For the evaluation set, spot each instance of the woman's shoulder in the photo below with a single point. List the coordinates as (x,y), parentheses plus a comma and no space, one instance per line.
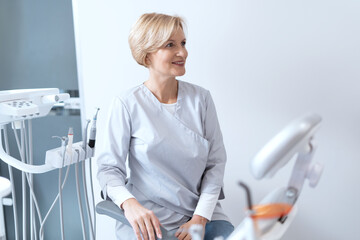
(129,94)
(192,88)
(127,98)
(193,91)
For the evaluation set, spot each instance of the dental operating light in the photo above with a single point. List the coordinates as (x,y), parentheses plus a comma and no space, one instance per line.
(272,216)
(294,138)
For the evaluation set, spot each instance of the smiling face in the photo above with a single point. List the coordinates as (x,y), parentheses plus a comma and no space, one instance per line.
(169,60)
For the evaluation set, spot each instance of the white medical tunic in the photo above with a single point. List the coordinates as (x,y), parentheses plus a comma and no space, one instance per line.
(173,157)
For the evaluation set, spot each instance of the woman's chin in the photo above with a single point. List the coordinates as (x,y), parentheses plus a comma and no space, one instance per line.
(182,73)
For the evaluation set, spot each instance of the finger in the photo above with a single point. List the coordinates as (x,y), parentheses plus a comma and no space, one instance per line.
(143,229)
(178,232)
(149,229)
(136,230)
(188,237)
(182,234)
(156,223)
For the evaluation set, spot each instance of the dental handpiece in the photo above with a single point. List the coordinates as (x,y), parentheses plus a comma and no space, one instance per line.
(63,145)
(84,142)
(93,130)
(70,140)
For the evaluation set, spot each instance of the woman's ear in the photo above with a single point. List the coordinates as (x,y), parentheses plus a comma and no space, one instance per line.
(147,60)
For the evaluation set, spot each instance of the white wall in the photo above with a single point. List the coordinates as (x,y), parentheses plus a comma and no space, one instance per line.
(265,63)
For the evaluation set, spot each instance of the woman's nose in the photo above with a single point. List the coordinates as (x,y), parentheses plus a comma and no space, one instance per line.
(182,52)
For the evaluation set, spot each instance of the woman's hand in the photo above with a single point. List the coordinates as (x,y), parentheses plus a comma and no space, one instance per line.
(183,232)
(142,220)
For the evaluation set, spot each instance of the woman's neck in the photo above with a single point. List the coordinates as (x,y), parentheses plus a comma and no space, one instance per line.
(165,91)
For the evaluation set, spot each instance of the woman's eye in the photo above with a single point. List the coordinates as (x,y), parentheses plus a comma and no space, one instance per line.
(169,45)
(183,43)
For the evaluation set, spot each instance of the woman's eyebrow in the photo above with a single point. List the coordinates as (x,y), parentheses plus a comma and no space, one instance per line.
(171,40)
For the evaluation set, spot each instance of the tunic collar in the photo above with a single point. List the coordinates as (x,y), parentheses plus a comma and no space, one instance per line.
(158,103)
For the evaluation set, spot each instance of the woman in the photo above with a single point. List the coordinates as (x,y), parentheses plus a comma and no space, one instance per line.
(169,131)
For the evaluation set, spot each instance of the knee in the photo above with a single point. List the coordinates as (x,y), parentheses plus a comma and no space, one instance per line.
(218,228)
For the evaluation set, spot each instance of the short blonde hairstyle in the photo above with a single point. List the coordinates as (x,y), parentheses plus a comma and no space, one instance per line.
(150,32)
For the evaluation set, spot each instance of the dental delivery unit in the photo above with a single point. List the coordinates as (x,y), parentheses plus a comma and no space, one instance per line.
(18,108)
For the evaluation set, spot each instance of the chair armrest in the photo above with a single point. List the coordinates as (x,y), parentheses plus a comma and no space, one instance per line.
(110,209)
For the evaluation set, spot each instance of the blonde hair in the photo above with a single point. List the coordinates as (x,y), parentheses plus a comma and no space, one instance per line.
(150,32)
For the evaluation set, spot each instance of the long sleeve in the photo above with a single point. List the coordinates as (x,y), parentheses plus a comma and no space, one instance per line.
(118,194)
(115,148)
(206,205)
(212,181)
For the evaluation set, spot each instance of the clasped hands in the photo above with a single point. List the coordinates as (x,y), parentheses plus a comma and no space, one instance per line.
(146,224)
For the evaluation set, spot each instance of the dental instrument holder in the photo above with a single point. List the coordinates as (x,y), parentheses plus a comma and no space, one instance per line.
(294,141)
(54,157)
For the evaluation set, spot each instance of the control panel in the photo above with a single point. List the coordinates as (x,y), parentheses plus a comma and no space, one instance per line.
(20,108)
(21,104)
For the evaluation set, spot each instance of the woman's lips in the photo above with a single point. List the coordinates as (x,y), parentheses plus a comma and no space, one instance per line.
(179,63)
